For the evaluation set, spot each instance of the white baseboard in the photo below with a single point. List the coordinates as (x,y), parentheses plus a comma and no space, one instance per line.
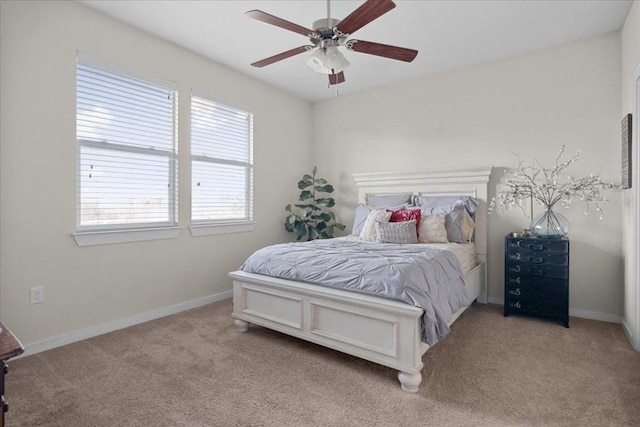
(494,300)
(575,312)
(635,344)
(121,323)
(594,315)
(177,308)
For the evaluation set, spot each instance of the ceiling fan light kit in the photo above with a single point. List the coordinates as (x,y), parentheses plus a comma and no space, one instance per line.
(327,60)
(329,34)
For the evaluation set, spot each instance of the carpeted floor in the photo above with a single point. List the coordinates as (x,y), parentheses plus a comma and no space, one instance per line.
(194,369)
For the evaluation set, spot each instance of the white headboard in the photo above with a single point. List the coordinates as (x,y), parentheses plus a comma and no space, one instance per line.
(450,182)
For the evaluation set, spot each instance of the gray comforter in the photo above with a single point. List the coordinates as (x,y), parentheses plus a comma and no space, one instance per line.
(425,277)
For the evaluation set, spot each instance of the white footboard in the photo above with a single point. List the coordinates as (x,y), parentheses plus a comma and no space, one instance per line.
(380,330)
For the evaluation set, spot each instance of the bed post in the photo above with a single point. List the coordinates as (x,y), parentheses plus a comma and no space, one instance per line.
(241,325)
(410,382)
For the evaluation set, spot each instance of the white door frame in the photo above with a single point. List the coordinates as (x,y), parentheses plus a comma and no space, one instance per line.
(635,140)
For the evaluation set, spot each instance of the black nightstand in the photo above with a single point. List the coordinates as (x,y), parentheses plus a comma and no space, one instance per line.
(536,277)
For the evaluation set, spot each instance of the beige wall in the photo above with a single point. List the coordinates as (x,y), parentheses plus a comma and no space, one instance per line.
(90,286)
(631,62)
(479,116)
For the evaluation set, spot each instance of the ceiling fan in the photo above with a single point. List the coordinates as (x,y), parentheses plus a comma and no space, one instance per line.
(328,34)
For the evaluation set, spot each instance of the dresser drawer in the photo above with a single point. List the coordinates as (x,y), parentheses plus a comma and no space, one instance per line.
(513,281)
(541,258)
(537,270)
(536,245)
(551,296)
(536,306)
(516,280)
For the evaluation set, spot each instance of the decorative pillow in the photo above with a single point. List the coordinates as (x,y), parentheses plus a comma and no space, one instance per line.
(454,220)
(368,232)
(407,215)
(432,229)
(362,212)
(396,232)
(470,203)
(468,226)
(388,199)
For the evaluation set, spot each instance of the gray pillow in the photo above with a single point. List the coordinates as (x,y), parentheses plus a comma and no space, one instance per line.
(396,232)
(388,199)
(362,212)
(453,220)
(470,203)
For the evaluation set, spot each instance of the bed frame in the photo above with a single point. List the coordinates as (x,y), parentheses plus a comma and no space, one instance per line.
(376,329)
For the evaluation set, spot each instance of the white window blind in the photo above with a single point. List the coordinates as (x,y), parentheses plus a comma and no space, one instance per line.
(126,136)
(221,162)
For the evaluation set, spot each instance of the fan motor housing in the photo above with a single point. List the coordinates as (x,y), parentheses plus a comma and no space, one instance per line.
(325,34)
(327,24)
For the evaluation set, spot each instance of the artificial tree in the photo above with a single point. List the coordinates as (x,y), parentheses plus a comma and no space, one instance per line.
(312,218)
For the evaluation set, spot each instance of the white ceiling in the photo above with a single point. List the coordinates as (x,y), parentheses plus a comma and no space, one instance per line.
(448,34)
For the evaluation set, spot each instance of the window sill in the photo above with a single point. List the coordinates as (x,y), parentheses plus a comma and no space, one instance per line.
(93,238)
(222,228)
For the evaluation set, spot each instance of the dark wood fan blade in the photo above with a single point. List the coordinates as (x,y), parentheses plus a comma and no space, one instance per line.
(279,22)
(280,56)
(367,12)
(335,79)
(379,49)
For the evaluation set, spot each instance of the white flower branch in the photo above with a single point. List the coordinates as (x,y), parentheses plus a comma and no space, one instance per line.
(545,187)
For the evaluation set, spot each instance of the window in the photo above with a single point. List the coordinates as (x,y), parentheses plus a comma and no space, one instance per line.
(126,137)
(221,163)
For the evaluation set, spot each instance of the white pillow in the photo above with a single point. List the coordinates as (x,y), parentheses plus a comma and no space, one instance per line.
(362,212)
(396,232)
(432,229)
(368,232)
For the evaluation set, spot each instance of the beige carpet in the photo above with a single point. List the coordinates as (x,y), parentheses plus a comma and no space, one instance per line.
(194,369)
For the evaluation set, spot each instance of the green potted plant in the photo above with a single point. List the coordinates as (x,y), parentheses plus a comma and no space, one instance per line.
(312,218)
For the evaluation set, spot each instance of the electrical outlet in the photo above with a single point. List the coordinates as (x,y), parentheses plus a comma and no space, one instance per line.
(37,295)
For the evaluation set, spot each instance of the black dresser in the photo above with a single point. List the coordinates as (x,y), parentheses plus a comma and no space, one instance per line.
(536,277)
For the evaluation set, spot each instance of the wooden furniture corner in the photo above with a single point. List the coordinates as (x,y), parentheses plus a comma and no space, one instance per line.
(10,347)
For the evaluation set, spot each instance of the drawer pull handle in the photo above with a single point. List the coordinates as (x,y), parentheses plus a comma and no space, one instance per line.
(516,292)
(538,260)
(536,247)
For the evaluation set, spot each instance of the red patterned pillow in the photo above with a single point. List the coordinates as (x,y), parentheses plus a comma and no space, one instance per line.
(406,215)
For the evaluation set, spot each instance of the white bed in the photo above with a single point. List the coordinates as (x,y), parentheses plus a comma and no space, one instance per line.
(380,330)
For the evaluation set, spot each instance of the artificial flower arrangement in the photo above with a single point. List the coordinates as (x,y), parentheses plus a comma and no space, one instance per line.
(545,187)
